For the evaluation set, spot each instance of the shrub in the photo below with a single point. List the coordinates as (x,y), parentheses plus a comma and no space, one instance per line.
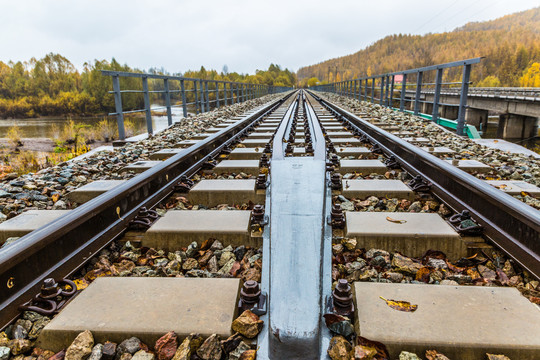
(14,136)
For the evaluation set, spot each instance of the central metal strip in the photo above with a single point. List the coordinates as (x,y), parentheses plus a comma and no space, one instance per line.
(295,256)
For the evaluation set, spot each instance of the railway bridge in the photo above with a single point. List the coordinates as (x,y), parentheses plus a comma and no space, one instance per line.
(276,223)
(425,91)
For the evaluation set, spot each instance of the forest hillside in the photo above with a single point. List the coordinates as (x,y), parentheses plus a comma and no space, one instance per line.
(510,45)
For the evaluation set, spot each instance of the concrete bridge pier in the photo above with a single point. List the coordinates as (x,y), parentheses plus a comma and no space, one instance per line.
(449,112)
(427,108)
(513,126)
(476,117)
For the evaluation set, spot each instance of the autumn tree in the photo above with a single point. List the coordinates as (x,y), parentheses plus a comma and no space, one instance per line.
(531,77)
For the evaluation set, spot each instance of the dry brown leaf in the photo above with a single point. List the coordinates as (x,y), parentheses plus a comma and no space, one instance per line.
(424,273)
(388,218)
(435,355)
(400,305)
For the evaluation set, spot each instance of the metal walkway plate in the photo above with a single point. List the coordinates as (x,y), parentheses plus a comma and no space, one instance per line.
(296,240)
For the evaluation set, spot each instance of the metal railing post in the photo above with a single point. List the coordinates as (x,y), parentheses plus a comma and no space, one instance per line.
(206,85)
(460,129)
(403,93)
(168,101)
(118,107)
(392,93)
(147,105)
(436,96)
(202,101)
(372,90)
(196,97)
(419,77)
(217,94)
(387,90)
(381,100)
(183,90)
(225,93)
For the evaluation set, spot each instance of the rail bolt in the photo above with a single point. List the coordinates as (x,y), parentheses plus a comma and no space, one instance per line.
(342,298)
(364,139)
(335,180)
(376,149)
(392,162)
(249,296)
(49,289)
(264,161)
(335,160)
(261,182)
(337,218)
(289,148)
(465,224)
(209,164)
(257,214)
(418,184)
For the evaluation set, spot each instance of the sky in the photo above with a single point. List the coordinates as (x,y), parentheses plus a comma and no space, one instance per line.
(246,35)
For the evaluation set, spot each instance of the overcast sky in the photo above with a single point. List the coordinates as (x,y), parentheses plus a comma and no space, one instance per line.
(244,34)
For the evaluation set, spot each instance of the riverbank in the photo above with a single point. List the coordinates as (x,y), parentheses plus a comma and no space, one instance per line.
(41,145)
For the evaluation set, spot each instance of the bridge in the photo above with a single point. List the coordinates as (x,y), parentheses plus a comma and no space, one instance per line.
(281,224)
(442,100)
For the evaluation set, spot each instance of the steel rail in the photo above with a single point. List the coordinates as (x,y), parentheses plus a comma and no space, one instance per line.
(60,248)
(510,224)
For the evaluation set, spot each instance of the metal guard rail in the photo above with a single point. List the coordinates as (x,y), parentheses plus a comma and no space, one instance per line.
(238,91)
(353,88)
(60,248)
(511,224)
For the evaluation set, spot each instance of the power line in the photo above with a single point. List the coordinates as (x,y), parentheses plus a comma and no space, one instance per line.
(433,17)
(460,12)
(489,5)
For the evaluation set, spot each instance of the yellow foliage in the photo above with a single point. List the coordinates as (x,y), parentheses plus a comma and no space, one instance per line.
(14,136)
(531,77)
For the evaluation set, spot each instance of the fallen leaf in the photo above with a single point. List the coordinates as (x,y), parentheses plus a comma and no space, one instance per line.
(423,274)
(339,324)
(435,355)
(388,218)
(81,284)
(400,305)
(502,186)
(55,197)
(382,352)
(433,254)
(497,357)
(524,193)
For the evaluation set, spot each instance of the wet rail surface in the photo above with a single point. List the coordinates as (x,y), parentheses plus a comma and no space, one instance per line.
(302,171)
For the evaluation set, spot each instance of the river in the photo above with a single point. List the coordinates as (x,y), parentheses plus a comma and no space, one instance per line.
(46,126)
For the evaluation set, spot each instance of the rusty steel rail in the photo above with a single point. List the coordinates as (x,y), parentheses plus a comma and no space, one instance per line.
(510,224)
(60,248)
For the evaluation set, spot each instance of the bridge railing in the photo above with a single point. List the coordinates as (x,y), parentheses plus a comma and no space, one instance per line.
(197,95)
(506,93)
(409,86)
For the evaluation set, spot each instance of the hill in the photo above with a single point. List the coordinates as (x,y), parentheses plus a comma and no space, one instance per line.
(510,45)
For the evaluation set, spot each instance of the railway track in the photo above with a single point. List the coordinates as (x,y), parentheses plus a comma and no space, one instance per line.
(309,208)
